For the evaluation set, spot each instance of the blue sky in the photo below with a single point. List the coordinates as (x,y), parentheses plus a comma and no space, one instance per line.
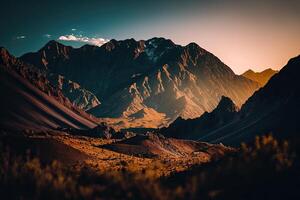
(243,34)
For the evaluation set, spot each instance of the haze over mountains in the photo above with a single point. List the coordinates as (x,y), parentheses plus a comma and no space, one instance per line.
(272,109)
(135,80)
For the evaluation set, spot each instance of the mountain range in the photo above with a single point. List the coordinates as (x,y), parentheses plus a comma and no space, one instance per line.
(272,109)
(261,77)
(146,83)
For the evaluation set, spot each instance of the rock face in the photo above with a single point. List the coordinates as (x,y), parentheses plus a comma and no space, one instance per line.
(197,128)
(275,109)
(29,101)
(79,96)
(261,77)
(131,77)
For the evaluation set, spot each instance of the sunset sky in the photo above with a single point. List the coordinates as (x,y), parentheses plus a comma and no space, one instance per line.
(243,34)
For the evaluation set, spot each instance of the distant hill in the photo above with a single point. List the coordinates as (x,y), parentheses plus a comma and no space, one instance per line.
(261,77)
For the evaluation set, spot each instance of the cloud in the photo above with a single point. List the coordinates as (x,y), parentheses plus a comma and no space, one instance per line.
(88,40)
(20,37)
(47,35)
(73,29)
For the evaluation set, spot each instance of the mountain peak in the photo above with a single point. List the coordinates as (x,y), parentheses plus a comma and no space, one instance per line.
(269,70)
(53,44)
(160,41)
(249,71)
(193,45)
(260,77)
(226,104)
(4,55)
(3,51)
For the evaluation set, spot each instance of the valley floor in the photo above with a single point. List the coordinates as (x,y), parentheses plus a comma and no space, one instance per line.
(80,151)
(92,168)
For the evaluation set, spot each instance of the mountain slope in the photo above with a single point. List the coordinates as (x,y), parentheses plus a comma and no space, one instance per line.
(261,77)
(80,97)
(28,101)
(77,94)
(275,108)
(130,77)
(152,145)
(225,112)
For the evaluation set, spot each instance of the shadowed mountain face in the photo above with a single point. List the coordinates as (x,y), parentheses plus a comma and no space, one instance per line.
(132,78)
(261,77)
(225,112)
(78,95)
(273,109)
(29,101)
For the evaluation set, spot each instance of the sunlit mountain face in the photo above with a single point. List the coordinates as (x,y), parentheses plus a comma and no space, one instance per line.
(149,99)
(260,77)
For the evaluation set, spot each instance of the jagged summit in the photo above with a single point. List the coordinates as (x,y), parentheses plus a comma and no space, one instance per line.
(5,57)
(248,71)
(160,41)
(268,70)
(4,51)
(261,77)
(193,45)
(53,44)
(226,104)
(55,47)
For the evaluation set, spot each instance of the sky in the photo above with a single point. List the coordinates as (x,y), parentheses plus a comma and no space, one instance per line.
(243,34)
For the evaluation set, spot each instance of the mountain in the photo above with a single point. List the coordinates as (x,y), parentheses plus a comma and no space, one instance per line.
(135,80)
(225,112)
(272,109)
(78,95)
(29,101)
(261,77)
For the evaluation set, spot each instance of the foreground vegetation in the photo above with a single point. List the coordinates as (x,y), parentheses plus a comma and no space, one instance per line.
(267,169)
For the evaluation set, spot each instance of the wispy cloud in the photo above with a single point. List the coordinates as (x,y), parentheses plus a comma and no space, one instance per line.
(20,37)
(73,29)
(88,40)
(47,35)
